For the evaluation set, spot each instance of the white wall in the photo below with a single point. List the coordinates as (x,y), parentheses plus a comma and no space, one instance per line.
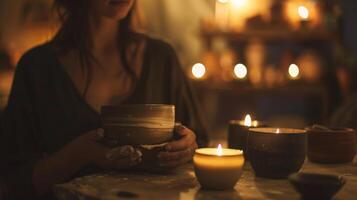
(178,21)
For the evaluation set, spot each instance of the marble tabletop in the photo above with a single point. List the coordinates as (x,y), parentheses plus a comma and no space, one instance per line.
(181,184)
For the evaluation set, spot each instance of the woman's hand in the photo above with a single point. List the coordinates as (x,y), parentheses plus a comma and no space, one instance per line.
(180,151)
(80,152)
(88,147)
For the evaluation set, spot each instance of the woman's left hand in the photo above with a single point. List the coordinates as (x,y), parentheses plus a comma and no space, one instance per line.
(180,151)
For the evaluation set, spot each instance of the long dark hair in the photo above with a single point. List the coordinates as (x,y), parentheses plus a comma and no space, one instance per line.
(75,34)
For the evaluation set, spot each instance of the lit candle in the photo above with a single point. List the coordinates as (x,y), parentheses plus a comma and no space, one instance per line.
(304,15)
(276,152)
(248,121)
(238,130)
(240,71)
(277,130)
(222,13)
(198,71)
(294,71)
(218,168)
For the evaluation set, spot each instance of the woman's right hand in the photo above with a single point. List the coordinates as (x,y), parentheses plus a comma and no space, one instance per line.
(82,151)
(88,149)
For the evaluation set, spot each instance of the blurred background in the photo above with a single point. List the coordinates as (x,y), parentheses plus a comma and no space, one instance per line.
(290,63)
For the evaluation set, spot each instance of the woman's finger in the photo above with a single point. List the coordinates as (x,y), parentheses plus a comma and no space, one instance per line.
(188,138)
(122,162)
(126,163)
(120,152)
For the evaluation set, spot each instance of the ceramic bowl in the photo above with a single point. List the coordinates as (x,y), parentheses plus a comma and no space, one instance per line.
(145,124)
(276,155)
(332,146)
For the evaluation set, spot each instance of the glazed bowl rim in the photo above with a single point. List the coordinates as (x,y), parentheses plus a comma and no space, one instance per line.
(333,130)
(261,131)
(137,105)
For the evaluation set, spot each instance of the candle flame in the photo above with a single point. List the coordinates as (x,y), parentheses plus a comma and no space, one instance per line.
(294,71)
(219,150)
(278,130)
(198,70)
(303,12)
(248,121)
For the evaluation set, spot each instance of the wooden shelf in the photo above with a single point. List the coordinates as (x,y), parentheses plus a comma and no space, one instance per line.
(272,35)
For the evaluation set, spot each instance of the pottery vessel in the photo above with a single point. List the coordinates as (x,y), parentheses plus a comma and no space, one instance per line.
(237,135)
(276,155)
(336,145)
(144,124)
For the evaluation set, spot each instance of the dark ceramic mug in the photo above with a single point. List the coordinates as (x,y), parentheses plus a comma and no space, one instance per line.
(276,155)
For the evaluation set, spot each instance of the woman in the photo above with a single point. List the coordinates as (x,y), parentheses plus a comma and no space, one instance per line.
(52,121)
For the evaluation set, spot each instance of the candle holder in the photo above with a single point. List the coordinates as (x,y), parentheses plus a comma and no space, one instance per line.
(238,132)
(218,171)
(276,153)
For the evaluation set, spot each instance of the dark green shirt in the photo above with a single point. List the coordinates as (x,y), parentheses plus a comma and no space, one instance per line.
(45,110)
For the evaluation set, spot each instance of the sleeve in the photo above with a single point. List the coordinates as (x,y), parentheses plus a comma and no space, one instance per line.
(183,96)
(18,148)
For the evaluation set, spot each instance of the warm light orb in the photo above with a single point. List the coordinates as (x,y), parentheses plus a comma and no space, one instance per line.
(277,130)
(248,121)
(219,150)
(240,71)
(223,1)
(238,3)
(294,71)
(198,70)
(303,12)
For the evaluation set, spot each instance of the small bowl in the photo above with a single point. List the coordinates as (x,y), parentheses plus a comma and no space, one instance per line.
(316,186)
(332,146)
(276,153)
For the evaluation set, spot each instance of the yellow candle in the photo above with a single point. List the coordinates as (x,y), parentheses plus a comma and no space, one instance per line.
(218,168)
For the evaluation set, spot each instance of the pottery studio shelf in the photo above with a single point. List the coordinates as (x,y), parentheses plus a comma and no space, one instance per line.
(271,35)
(222,103)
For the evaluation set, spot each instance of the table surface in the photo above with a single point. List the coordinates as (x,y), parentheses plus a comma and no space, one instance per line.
(181,184)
